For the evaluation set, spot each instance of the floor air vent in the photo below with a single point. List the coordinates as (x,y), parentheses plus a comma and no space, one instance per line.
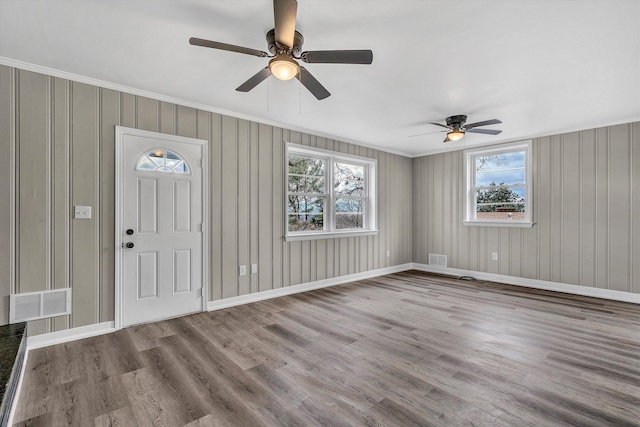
(436,259)
(39,305)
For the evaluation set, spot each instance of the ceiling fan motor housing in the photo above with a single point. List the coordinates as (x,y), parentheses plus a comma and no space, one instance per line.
(456,121)
(298,41)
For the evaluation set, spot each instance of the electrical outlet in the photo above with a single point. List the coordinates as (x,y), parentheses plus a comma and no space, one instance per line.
(243,270)
(254,268)
(494,256)
(388,253)
(82,212)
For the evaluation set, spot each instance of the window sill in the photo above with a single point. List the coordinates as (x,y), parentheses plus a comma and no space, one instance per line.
(512,224)
(329,235)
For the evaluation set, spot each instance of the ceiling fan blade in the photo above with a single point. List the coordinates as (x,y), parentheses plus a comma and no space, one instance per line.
(485,123)
(447,139)
(485,131)
(255,80)
(441,125)
(284,15)
(312,84)
(427,133)
(338,56)
(224,46)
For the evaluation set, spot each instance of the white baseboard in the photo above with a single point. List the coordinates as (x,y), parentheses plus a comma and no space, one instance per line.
(534,283)
(303,287)
(73,334)
(67,335)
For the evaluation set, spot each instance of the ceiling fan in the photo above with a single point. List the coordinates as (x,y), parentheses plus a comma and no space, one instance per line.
(457,127)
(285,47)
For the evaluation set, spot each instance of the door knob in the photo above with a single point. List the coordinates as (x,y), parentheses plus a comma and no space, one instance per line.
(129,245)
(129,231)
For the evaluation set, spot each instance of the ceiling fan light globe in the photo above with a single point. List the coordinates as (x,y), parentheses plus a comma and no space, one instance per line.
(283,67)
(455,135)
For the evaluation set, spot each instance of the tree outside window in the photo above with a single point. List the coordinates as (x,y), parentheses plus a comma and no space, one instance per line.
(329,193)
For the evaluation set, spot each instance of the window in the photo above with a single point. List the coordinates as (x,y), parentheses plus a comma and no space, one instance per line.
(161,160)
(329,194)
(498,185)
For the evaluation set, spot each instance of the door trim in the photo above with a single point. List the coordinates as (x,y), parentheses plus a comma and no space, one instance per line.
(120,134)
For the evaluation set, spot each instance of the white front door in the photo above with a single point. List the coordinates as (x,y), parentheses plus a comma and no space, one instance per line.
(161,226)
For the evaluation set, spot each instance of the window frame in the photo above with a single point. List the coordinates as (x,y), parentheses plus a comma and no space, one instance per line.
(470,197)
(330,158)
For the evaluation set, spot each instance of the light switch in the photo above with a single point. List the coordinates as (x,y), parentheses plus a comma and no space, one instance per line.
(254,268)
(82,212)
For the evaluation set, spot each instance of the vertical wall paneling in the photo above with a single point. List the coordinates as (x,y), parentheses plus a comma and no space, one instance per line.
(416,205)
(203,131)
(505,253)
(587,208)
(167,118)
(529,258)
(635,208)
(147,114)
(280,271)
(254,234)
(511,263)
(464,232)
(244,257)
(453,199)
(186,121)
(109,115)
(215,217)
(127,110)
(619,207)
(571,208)
(545,206)
(380,242)
(229,208)
(85,188)
(556,207)
(602,207)
(34,187)
(61,207)
(7,188)
(586,203)
(266,240)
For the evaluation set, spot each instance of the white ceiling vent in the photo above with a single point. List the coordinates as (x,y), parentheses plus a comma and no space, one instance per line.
(39,305)
(439,260)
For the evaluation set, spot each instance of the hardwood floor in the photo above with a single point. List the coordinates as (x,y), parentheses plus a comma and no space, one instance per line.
(407,349)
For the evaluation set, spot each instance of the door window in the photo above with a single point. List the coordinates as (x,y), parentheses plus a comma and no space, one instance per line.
(161,160)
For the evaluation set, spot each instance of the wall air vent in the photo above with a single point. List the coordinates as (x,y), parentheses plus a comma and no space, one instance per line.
(39,305)
(437,259)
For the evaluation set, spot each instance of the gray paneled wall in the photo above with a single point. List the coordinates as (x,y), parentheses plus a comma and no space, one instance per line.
(57,140)
(586,209)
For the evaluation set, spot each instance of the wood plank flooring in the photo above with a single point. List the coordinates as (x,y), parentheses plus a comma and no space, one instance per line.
(407,349)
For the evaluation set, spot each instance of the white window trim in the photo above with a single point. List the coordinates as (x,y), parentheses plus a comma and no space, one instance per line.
(331,157)
(469,171)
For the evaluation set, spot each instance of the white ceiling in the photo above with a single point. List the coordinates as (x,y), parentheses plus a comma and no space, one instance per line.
(542,67)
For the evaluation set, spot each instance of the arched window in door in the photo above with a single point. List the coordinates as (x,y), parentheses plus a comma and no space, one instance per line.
(161,160)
